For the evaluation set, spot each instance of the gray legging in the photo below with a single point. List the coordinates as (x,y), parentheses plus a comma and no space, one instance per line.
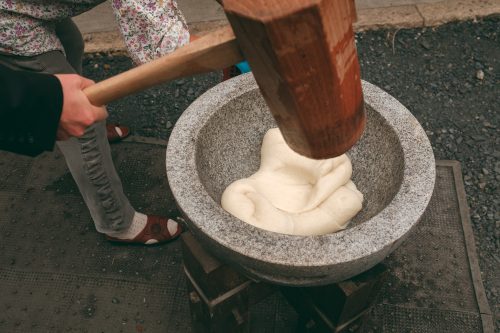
(88,157)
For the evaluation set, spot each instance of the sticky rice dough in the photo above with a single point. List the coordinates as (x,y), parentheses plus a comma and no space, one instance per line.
(293,194)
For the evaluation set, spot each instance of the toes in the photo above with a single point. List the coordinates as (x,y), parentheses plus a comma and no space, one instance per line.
(173,227)
(118,130)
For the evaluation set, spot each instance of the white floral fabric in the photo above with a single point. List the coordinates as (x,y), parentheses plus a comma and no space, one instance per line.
(151,28)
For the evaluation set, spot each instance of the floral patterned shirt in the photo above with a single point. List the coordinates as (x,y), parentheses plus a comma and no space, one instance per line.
(151,28)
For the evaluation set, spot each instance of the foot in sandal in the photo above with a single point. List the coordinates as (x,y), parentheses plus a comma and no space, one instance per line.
(149,230)
(116,132)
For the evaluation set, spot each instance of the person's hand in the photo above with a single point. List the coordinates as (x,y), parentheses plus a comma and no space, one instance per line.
(77,113)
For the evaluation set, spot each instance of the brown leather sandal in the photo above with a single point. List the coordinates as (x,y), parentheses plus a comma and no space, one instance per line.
(155,232)
(116,132)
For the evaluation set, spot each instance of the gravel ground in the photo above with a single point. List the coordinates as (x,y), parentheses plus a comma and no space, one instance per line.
(447,76)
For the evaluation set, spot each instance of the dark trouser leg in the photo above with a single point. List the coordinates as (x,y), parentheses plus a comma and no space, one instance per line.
(88,157)
(72,41)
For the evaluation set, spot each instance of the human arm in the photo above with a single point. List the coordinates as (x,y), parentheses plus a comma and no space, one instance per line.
(36,108)
(77,112)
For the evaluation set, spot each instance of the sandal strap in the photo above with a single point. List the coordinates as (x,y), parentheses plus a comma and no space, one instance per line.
(113,134)
(156,229)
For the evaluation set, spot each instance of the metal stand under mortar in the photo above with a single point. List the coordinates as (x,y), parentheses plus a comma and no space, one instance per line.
(220,296)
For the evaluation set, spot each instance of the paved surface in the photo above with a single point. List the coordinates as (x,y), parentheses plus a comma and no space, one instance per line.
(58,275)
(101,34)
(448,77)
(101,18)
(362,4)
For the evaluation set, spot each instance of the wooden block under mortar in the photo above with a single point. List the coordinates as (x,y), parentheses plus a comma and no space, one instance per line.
(303,56)
(334,307)
(210,274)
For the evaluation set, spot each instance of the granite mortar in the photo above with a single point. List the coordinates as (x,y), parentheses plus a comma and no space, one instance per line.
(217,141)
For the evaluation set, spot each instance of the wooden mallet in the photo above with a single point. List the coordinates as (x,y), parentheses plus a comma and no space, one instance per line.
(303,56)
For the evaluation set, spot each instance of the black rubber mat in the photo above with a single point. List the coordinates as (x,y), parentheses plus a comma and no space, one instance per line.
(58,275)
(434,283)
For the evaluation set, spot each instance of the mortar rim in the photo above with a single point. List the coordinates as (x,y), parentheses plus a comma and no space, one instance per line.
(181,158)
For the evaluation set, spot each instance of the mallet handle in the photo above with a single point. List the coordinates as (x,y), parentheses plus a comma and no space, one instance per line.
(213,51)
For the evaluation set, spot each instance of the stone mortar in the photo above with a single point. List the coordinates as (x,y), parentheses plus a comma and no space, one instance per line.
(217,141)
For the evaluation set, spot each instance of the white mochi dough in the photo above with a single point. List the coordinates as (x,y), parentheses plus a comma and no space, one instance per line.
(293,194)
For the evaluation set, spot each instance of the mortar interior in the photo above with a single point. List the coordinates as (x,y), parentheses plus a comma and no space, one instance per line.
(228,148)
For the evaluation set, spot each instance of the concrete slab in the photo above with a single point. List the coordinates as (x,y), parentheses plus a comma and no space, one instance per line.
(99,19)
(101,30)
(102,19)
(400,16)
(456,10)
(105,41)
(362,4)
(201,10)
